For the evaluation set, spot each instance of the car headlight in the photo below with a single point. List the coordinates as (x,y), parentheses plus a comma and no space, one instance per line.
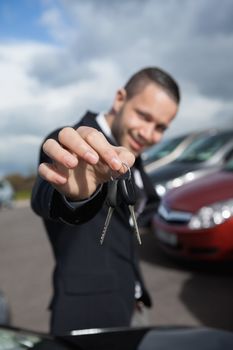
(212,215)
(162,188)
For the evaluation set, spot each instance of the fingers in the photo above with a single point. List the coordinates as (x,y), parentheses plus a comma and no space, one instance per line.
(101,146)
(59,154)
(88,144)
(74,142)
(127,159)
(84,144)
(50,173)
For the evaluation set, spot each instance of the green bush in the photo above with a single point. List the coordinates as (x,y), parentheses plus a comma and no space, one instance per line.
(22,185)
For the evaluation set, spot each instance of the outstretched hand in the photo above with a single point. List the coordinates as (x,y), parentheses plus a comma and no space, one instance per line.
(82,159)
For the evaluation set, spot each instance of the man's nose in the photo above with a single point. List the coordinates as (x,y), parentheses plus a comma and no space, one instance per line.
(151,135)
(156,137)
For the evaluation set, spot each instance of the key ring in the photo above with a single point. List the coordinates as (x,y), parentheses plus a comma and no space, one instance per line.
(122,176)
(128,170)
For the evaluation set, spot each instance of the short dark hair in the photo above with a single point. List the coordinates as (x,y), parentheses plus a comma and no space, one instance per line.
(155,75)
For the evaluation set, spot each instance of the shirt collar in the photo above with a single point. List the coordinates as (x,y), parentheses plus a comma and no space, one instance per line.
(101,120)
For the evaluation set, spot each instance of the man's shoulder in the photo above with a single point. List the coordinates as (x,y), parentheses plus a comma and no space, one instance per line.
(89,119)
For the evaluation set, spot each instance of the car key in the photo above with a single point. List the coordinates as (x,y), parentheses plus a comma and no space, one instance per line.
(112,202)
(127,189)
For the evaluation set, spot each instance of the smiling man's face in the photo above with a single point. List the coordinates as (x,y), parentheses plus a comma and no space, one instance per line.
(140,121)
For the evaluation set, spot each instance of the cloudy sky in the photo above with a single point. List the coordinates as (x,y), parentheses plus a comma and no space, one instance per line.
(59,58)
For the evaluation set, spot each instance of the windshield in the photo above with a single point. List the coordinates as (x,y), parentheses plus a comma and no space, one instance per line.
(229,165)
(204,148)
(162,149)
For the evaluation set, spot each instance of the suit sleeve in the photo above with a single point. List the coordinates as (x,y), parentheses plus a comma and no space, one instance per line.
(50,204)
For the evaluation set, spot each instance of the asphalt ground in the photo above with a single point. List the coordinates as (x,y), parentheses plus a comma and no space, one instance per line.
(187,294)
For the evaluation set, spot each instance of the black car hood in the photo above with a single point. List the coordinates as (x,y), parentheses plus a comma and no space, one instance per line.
(175,169)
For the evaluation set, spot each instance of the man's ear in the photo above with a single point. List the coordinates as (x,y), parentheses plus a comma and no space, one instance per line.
(119,99)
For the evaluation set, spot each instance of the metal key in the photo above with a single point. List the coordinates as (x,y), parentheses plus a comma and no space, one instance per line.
(112,202)
(127,189)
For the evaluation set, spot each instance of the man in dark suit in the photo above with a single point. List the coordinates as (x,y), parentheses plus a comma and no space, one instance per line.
(95,285)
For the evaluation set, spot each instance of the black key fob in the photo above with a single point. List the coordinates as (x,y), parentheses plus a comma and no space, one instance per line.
(127,191)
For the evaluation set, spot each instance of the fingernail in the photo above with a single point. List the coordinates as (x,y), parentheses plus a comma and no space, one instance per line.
(60,180)
(116,163)
(91,157)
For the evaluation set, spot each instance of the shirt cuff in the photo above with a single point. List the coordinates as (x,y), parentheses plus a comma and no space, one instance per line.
(73,205)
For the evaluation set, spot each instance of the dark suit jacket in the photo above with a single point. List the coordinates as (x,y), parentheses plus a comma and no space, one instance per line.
(94,285)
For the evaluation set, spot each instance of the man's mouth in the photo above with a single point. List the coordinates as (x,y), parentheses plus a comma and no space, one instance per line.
(136,145)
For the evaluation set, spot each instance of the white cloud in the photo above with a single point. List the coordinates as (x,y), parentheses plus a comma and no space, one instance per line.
(19,154)
(29,110)
(197,113)
(97,46)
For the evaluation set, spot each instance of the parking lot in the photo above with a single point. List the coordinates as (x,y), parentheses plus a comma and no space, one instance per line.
(183,293)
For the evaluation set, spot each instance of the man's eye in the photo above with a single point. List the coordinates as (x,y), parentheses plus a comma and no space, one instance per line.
(141,115)
(161,128)
(144,116)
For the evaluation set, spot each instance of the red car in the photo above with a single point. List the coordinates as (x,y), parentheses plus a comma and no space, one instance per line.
(195,221)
